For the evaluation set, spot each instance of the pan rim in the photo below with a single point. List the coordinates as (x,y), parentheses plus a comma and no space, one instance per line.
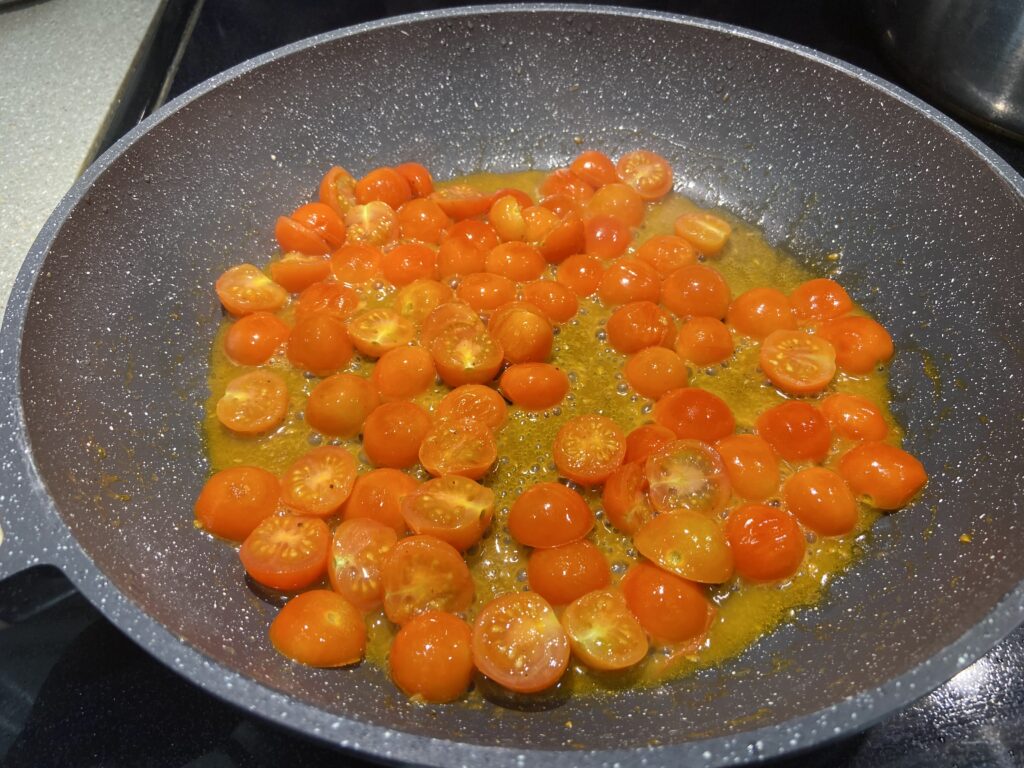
(841,719)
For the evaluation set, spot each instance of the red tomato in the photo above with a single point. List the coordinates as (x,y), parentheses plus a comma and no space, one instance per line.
(694,413)
(286,552)
(854,417)
(338,405)
(563,574)
(588,448)
(798,363)
(646,440)
(519,643)
(759,312)
(555,300)
(393,433)
(687,475)
(421,297)
(647,172)
(595,168)
(638,325)
(516,261)
(629,280)
(323,220)
(534,386)
(253,403)
(887,475)
(357,262)
(419,178)
(320,344)
(704,341)
(484,291)
(522,331)
(582,274)
(821,500)
(605,237)
(374,224)
(549,515)
(467,448)
(358,551)
(319,481)
(797,431)
(820,299)
(424,574)
(431,657)
(473,402)
(602,631)
(405,263)
(255,338)
(696,291)
(466,356)
(320,628)
(460,201)
(861,343)
(705,231)
(403,373)
(386,185)
(618,200)
(767,543)
(244,289)
(294,236)
(295,271)
(669,608)
(378,495)
(624,497)
(338,190)
(689,544)
(454,509)
(235,500)
(333,298)
(667,253)
(423,220)
(376,331)
(751,465)
(654,371)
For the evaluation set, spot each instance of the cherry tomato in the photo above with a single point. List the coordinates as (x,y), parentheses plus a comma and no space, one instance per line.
(506,216)
(646,440)
(549,515)
(421,297)
(448,318)
(605,237)
(694,413)
(638,325)
(854,417)
(516,261)
(751,465)
(454,509)
(235,500)
(419,178)
(565,237)
(797,431)
(384,184)
(423,220)
(887,475)
(667,253)
(295,271)
(294,236)
(466,356)
(356,263)
(646,172)
(654,371)
(624,497)
(629,280)
(522,332)
(320,344)
(581,274)
(484,291)
(519,643)
(705,231)
(244,289)
(339,405)
(760,311)
(588,448)
(562,574)
(565,182)
(424,574)
(376,331)
(696,291)
(473,402)
(689,544)
(687,475)
(286,552)
(861,343)
(411,261)
(704,341)
(374,224)
(821,500)
(431,657)
(323,220)
(319,628)
(255,338)
(460,257)
(618,200)
(534,386)
(460,201)
(393,432)
(767,543)
(595,168)
(319,481)
(820,299)
(338,190)
(555,300)
(253,403)
(358,551)
(478,233)
(798,363)
(467,448)
(669,608)
(403,373)
(378,495)
(603,633)
(333,298)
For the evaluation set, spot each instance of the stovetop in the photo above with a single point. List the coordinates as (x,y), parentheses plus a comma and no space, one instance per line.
(75,691)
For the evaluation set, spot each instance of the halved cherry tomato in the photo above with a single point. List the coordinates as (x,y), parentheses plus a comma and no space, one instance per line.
(320,344)
(654,371)
(760,311)
(447,318)
(618,200)
(638,325)
(386,185)
(403,373)
(356,263)
(523,333)
(339,405)
(588,448)
(320,628)
(687,475)
(337,189)
(334,298)
(452,508)
(319,481)
(431,657)
(375,224)
(854,417)
(235,500)
(705,231)
(421,297)
(767,543)
(821,500)
(473,402)
(798,363)
(689,544)
(393,432)
(295,271)
(629,280)
(887,475)
(466,356)
(555,300)
(696,291)
(602,631)
(751,465)
(582,274)
(253,403)
(506,216)
(539,223)
(694,413)
(294,236)
(624,497)
(376,331)
(562,574)
(861,343)
(323,220)
(245,289)
(667,253)
(646,440)
(534,386)
(467,448)
(478,233)
(669,608)
(516,261)
(457,256)
(549,515)
(378,495)
(605,237)
(524,200)
(358,551)
(460,201)
(424,574)
(410,261)
(286,552)
(595,168)
(563,239)
(820,299)
(255,338)
(565,182)
(704,341)
(423,220)
(484,291)
(797,431)
(419,178)
(647,172)
(519,643)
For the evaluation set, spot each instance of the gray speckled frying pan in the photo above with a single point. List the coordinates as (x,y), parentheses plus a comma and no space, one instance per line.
(106,336)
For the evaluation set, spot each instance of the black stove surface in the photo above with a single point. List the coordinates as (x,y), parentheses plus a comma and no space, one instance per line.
(75,691)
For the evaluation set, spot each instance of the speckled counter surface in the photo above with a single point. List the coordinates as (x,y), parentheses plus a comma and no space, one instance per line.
(62,63)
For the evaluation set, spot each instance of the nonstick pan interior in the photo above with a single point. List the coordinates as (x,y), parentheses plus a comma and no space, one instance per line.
(117,328)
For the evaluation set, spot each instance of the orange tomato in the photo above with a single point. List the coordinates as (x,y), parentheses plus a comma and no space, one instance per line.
(647,172)
(605,237)
(565,236)
(581,274)
(411,261)
(375,224)
(555,300)
(333,298)
(760,311)
(767,543)
(861,343)
(506,216)
(820,299)
(595,168)
(687,475)
(255,338)
(484,291)
(423,220)
(654,371)
(421,297)
(454,509)
(534,386)
(245,289)
(522,332)
(467,448)
(420,181)
(565,182)
(473,402)
(337,189)
(751,466)
(549,515)
(253,403)
(638,325)
(460,201)
(448,318)
(376,331)
(459,257)
(647,439)
(294,236)
(235,500)
(797,431)
(323,220)
(705,231)
(378,495)
(603,633)
(286,552)
(393,432)
(384,184)
(589,448)
(431,657)
(689,544)
(403,373)
(854,417)
(516,261)
(319,481)
(889,476)
(357,553)
(295,271)
(669,608)
(421,574)
(618,200)
(821,500)
(696,291)
(563,574)
(797,363)
(667,253)
(694,413)
(704,341)
(319,628)
(628,280)
(624,497)
(356,263)
(466,356)
(339,405)
(320,344)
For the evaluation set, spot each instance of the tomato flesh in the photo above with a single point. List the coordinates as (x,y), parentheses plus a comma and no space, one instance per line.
(286,552)
(603,633)
(688,544)
(687,475)
(358,550)
(451,508)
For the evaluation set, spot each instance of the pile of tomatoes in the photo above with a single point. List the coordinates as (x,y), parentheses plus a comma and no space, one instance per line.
(471,288)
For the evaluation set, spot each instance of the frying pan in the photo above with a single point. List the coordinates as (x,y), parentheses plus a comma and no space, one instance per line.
(105,341)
